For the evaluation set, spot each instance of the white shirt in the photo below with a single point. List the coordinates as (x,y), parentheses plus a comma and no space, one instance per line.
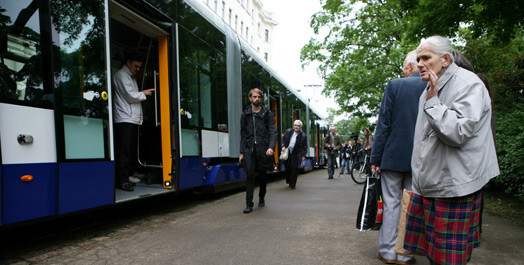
(292,141)
(128,106)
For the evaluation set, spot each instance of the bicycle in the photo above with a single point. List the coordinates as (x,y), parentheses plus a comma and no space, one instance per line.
(361,169)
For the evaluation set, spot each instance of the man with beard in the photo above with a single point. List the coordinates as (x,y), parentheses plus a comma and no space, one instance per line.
(256,148)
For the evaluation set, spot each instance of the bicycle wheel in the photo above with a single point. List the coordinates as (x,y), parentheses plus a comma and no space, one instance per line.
(358,172)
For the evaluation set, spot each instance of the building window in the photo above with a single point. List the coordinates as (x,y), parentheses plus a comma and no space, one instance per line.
(223,10)
(236,23)
(265,56)
(266,35)
(216,6)
(247,32)
(259,30)
(241,28)
(230,14)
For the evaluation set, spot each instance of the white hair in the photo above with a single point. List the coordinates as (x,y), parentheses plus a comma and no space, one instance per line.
(438,45)
(411,58)
(298,121)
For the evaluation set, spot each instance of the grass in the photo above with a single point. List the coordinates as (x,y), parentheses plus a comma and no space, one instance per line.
(504,206)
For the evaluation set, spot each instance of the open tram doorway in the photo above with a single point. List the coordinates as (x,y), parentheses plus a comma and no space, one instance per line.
(131,33)
(274,104)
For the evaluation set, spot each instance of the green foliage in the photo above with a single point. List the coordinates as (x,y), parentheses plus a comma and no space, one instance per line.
(478,50)
(499,19)
(364,47)
(358,55)
(508,94)
(346,128)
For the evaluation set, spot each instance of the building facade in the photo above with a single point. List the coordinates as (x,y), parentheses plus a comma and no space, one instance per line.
(249,20)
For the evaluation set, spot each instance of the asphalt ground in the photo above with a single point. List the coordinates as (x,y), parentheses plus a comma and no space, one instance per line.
(314,224)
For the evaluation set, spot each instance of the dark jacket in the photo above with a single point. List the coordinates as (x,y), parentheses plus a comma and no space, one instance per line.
(396,124)
(337,144)
(259,126)
(346,151)
(299,150)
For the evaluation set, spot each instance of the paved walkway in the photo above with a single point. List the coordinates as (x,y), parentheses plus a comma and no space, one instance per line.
(314,224)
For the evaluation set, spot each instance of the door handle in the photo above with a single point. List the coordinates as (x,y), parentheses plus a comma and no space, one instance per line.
(155,75)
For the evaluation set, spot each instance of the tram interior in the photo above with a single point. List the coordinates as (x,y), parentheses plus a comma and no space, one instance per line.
(125,37)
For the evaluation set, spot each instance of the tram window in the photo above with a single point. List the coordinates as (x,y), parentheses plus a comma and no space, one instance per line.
(21,56)
(203,90)
(82,69)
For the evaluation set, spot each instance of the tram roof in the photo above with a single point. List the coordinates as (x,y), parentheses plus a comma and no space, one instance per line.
(204,10)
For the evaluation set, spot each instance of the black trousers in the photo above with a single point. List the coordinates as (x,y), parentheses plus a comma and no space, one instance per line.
(291,174)
(253,174)
(126,156)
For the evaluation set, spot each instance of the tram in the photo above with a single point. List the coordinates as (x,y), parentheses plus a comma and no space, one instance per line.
(56,113)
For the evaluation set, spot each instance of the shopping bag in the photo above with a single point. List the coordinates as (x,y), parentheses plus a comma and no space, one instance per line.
(404,204)
(284,154)
(371,207)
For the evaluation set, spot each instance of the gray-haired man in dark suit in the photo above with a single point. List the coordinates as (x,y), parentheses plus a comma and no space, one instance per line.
(391,152)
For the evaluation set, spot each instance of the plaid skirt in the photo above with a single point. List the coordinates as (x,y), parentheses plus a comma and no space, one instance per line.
(444,229)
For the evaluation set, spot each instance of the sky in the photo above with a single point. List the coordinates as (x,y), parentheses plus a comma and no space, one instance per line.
(290,35)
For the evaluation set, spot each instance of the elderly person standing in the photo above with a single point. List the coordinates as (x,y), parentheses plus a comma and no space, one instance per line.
(453,158)
(296,140)
(391,152)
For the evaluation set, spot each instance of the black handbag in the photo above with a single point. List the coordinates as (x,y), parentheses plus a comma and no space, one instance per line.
(370,210)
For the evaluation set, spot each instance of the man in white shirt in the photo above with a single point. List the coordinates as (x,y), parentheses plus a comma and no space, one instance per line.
(128,116)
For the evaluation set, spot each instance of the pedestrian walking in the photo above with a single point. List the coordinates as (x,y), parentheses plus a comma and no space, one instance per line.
(332,144)
(258,137)
(296,140)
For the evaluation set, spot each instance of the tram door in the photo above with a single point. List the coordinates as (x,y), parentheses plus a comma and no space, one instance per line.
(275,106)
(131,33)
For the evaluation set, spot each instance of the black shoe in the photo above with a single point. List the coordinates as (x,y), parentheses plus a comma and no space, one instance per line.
(292,187)
(127,186)
(261,204)
(248,209)
(331,177)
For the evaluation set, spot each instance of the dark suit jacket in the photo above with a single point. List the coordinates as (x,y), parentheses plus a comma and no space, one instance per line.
(299,150)
(393,142)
